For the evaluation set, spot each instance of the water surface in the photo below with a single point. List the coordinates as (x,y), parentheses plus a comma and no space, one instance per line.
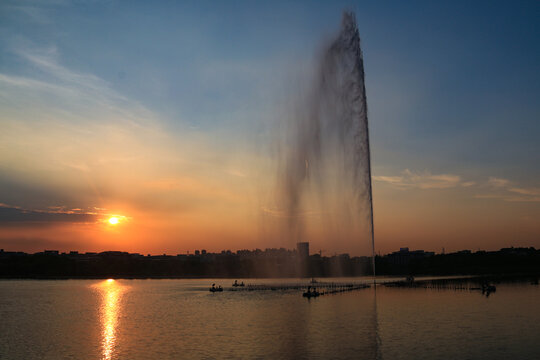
(181,319)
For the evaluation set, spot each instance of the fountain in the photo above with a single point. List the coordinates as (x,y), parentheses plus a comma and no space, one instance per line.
(326,160)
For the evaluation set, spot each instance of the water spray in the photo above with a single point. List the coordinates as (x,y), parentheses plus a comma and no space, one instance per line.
(328,151)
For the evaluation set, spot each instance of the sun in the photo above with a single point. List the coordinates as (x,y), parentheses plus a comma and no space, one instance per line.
(113,220)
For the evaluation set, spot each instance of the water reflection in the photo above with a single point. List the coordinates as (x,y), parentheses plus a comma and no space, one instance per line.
(378,341)
(110,308)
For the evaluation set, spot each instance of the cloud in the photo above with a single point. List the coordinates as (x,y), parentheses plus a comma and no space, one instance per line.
(15,214)
(530,191)
(72,93)
(66,132)
(500,189)
(396,180)
(70,138)
(498,182)
(423,180)
(506,190)
(525,194)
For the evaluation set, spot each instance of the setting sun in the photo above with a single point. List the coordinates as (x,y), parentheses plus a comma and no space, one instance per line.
(113,220)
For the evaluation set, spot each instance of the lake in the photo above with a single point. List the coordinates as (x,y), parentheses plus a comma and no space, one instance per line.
(181,319)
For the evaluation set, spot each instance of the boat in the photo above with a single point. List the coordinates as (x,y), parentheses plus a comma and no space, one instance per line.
(235,284)
(311,292)
(488,289)
(214,289)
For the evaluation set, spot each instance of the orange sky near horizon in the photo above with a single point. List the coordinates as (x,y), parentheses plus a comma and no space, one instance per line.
(411,218)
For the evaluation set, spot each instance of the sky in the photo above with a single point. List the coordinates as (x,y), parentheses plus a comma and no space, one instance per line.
(162,114)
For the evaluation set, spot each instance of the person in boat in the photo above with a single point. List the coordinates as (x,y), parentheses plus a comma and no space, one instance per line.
(311,292)
(235,283)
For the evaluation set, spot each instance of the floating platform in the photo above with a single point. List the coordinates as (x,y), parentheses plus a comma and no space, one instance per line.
(321,287)
(465,284)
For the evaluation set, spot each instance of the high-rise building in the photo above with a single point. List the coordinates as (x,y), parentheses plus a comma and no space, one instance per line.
(303,249)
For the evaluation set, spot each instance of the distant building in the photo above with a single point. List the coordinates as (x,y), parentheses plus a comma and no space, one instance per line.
(404,256)
(303,249)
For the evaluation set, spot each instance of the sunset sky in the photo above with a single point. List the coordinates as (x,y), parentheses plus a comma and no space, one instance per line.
(163,116)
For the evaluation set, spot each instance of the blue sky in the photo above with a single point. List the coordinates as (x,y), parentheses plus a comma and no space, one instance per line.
(452,87)
(459,79)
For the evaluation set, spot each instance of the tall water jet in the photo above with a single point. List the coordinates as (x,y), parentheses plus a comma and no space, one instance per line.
(326,159)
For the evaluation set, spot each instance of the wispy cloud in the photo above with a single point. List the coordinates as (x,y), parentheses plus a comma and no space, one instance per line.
(80,137)
(423,180)
(493,188)
(498,182)
(72,92)
(506,190)
(16,214)
(529,191)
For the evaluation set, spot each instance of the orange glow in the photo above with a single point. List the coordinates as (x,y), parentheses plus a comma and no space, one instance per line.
(158,221)
(115,219)
(111,293)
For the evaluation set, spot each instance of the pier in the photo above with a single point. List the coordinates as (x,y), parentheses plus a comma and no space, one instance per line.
(323,288)
(457,284)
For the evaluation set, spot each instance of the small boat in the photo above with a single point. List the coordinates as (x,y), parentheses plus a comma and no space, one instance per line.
(216,289)
(235,284)
(488,289)
(311,292)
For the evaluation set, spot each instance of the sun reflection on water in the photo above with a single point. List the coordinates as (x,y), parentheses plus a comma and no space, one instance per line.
(111,293)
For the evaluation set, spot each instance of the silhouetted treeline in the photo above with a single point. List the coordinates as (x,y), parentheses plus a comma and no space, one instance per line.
(243,264)
(268,263)
(504,261)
